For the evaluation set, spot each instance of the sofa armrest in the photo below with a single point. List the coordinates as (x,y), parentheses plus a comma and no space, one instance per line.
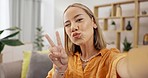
(12,69)
(1,72)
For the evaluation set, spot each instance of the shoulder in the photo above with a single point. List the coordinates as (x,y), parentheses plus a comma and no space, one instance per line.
(106,52)
(114,56)
(112,53)
(120,61)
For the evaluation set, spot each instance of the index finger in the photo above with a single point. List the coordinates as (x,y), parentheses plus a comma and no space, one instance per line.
(58,38)
(49,40)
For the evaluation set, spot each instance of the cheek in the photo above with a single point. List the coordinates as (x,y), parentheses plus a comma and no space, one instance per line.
(88,31)
(87,28)
(68,31)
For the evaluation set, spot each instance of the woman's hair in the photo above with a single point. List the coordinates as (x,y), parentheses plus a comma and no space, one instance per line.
(98,40)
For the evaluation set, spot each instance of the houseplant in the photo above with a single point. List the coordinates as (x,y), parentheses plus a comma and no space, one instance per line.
(9,39)
(38,43)
(127,45)
(113,25)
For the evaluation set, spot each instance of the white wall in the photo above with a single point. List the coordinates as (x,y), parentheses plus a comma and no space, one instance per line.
(47,18)
(59,7)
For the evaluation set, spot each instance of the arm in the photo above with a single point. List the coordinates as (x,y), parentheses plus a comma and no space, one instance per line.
(135,64)
(122,68)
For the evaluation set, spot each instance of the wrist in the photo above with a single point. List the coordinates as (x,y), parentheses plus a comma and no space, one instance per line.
(61,70)
(61,73)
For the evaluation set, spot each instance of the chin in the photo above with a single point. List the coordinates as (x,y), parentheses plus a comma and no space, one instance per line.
(78,42)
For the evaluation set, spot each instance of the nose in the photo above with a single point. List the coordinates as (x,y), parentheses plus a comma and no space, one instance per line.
(74,27)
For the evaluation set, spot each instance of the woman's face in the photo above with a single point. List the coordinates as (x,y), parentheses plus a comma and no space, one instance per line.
(78,25)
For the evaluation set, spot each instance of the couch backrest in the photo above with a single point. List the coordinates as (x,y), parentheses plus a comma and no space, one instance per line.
(11,70)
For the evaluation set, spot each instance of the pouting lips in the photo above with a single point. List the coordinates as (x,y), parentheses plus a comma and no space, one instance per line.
(76,35)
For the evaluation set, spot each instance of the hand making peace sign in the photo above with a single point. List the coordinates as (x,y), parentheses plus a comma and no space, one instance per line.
(57,53)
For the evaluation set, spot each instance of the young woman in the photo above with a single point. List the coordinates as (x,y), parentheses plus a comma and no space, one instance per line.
(85,54)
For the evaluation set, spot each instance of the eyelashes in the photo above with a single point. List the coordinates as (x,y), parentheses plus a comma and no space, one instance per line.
(67,25)
(76,21)
(79,20)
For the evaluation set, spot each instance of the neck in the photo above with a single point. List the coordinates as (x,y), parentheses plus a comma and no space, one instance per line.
(88,49)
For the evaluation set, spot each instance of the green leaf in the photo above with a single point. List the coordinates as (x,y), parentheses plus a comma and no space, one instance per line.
(113,23)
(12,42)
(1,47)
(12,35)
(13,28)
(1,31)
(127,45)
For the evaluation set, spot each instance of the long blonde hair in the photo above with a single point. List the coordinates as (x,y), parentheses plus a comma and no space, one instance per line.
(98,40)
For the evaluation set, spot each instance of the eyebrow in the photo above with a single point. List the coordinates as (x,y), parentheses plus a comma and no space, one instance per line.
(74,17)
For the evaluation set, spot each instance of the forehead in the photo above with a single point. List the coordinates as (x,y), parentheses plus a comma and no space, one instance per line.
(73,11)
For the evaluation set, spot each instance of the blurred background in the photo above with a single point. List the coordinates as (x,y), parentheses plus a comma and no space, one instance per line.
(48,16)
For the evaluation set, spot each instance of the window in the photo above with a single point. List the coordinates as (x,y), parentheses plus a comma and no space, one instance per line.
(4,15)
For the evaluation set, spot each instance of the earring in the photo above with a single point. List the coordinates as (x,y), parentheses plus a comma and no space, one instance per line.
(95,26)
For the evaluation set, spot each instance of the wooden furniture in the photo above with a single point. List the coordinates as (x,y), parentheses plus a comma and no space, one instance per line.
(136,16)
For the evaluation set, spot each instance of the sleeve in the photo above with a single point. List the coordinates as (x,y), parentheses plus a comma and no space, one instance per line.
(50,73)
(114,57)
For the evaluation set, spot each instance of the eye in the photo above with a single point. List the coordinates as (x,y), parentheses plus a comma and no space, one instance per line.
(79,20)
(67,25)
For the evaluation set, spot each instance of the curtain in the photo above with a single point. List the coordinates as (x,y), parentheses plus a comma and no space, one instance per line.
(26,15)
(4,16)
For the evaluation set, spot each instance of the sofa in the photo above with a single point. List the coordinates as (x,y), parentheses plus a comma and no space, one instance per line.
(34,65)
(11,70)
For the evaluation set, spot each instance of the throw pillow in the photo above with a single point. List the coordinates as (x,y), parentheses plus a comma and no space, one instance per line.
(39,65)
(26,61)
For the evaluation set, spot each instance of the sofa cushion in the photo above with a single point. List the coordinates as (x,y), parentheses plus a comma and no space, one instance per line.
(12,69)
(26,61)
(1,72)
(39,65)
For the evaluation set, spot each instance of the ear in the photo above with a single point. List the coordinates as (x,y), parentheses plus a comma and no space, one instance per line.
(94,24)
